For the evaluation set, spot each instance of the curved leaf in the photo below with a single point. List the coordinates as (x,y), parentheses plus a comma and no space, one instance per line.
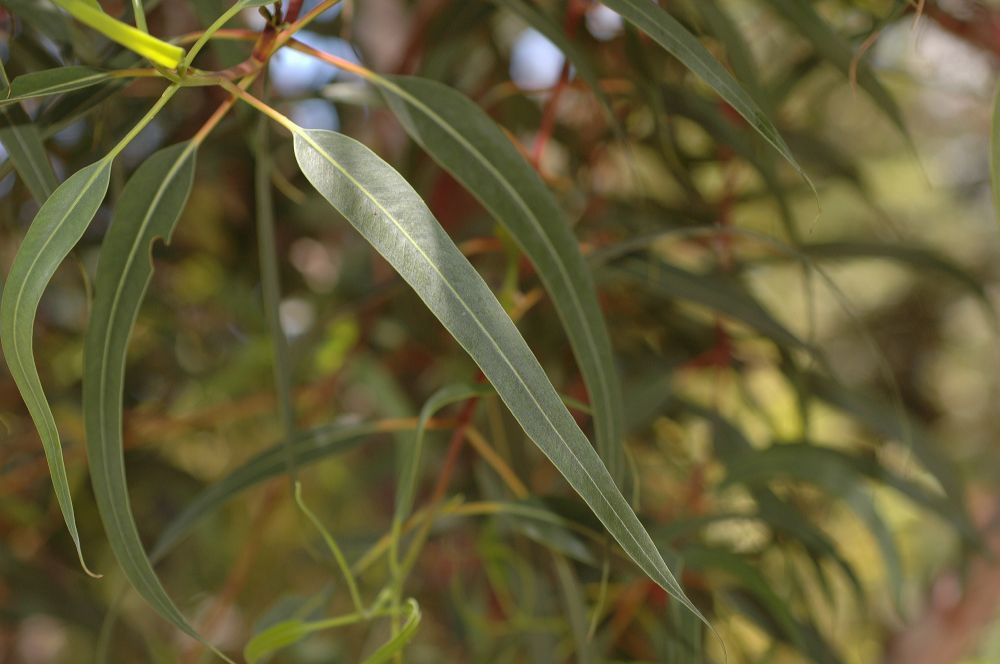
(53,82)
(666,31)
(56,229)
(470,146)
(831,48)
(148,208)
(383,207)
(995,152)
(410,454)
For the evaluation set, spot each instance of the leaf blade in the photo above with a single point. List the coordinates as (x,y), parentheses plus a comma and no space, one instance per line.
(382,206)
(49,82)
(470,146)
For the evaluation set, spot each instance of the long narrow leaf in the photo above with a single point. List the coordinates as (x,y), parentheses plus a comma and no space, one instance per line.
(53,82)
(148,208)
(383,207)
(470,146)
(55,230)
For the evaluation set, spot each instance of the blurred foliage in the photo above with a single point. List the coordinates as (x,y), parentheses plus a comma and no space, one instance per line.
(809,377)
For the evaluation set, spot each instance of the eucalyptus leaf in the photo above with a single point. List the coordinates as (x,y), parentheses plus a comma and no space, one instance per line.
(57,227)
(666,31)
(383,207)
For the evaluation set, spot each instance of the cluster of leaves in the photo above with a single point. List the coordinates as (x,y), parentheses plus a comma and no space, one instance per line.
(669,261)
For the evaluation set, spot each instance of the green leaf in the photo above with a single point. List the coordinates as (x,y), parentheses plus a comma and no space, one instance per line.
(149,207)
(53,82)
(555,33)
(830,47)
(666,31)
(406,633)
(55,230)
(135,40)
(470,146)
(383,207)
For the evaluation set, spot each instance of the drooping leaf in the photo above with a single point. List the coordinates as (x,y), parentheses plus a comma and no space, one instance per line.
(55,230)
(666,31)
(53,82)
(833,49)
(470,146)
(23,143)
(995,152)
(383,207)
(149,207)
